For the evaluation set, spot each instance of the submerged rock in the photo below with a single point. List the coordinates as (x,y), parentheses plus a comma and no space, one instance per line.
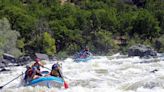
(142,51)
(3,63)
(153,71)
(4,69)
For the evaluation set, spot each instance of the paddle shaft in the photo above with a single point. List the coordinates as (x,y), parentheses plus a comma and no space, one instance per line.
(47,68)
(11,81)
(65,83)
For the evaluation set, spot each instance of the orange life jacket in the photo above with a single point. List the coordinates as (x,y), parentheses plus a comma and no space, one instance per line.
(54,73)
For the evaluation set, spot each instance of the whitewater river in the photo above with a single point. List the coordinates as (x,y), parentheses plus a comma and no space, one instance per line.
(115,73)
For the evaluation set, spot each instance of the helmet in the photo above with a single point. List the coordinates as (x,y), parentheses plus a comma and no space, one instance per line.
(37,60)
(28,67)
(55,66)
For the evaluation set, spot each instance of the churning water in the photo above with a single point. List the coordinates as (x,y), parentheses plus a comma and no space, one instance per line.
(115,73)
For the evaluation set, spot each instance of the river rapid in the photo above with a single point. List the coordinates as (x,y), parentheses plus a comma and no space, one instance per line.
(117,73)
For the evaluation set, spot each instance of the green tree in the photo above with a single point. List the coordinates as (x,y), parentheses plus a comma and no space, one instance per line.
(8,38)
(146,25)
(160,16)
(49,46)
(20,44)
(126,22)
(108,19)
(159,44)
(104,42)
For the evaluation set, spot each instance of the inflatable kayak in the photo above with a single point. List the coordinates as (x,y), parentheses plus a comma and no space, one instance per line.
(83,59)
(49,81)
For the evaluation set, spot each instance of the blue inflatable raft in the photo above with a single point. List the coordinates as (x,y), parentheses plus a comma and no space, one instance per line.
(49,81)
(83,59)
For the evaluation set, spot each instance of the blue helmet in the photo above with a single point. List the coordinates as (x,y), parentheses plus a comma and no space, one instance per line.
(55,66)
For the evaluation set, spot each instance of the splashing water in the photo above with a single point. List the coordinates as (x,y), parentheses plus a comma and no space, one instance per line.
(115,73)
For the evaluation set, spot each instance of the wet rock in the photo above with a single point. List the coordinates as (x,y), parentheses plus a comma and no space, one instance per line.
(3,63)
(142,51)
(42,56)
(153,71)
(52,58)
(23,60)
(4,69)
(9,58)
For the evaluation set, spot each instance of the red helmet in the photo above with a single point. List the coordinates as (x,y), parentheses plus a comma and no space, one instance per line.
(37,60)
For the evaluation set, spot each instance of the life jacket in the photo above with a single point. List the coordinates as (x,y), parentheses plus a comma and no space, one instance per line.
(30,72)
(54,73)
(37,65)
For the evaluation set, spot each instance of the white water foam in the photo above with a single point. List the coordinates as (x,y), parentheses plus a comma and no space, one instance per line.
(115,73)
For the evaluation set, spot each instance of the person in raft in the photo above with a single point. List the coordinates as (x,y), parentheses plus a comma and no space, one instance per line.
(37,64)
(55,70)
(85,53)
(31,73)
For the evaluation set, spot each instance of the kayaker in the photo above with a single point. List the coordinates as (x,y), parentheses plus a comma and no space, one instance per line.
(37,64)
(55,70)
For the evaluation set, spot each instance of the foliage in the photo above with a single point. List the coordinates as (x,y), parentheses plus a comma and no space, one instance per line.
(50,27)
(8,38)
(49,46)
(103,42)
(159,44)
(20,44)
(145,25)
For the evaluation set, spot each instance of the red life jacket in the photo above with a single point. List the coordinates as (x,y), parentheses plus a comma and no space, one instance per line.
(30,72)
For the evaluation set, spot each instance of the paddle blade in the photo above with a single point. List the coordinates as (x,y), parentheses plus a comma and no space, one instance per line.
(65,85)
(1,87)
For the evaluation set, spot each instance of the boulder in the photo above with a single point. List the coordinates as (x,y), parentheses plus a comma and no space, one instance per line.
(9,58)
(42,56)
(23,60)
(142,51)
(4,69)
(3,63)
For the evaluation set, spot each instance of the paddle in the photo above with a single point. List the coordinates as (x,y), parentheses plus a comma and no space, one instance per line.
(65,84)
(11,81)
(47,68)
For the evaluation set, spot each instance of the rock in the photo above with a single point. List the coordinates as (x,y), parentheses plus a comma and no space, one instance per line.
(142,51)
(3,63)
(23,60)
(42,56)
(53,58)
(9,58)
(153,71)
(4,69)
